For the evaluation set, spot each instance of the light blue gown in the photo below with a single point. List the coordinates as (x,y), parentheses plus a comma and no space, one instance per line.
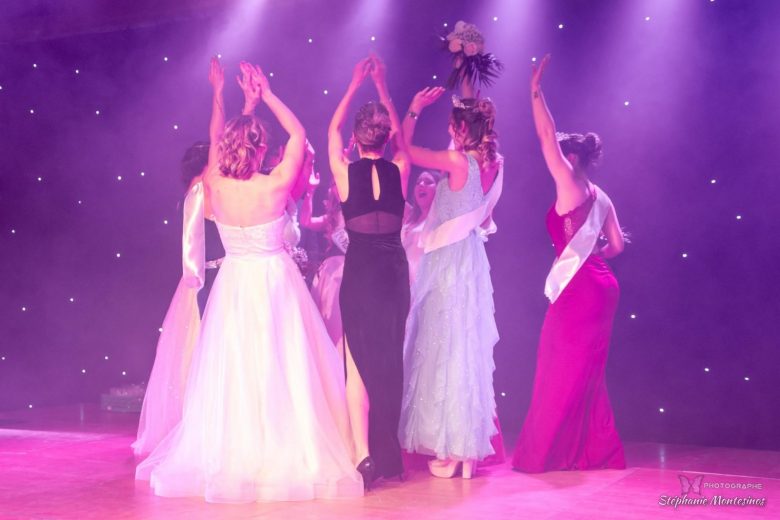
(449,404)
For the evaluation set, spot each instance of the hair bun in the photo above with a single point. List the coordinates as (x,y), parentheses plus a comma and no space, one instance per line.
(592,147)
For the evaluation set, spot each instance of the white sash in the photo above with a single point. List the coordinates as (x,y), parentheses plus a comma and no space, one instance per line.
(579,247)
(162,407)
(458,228)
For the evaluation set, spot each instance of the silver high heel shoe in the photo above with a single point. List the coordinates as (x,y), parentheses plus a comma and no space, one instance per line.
(448,468)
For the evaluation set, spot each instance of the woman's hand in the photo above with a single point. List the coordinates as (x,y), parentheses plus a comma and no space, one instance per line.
(260,79)
(360,72)
(216,75)
(249,86)
(425,97)
(378,69)
(314,182)
(537,71)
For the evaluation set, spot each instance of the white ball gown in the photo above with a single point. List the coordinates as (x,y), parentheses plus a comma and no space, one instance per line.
(264,408)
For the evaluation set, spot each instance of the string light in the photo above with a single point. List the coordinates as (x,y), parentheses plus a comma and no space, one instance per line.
(83,370)
(626,103)
(739,217)
(76,71)
(72,300)
(373,38)
(495,18)
(165,58)
(97,112)
(647,18)
(35,65)
(13,231)
(661,410)
(29,406)
(165,221)
(24,309)
(503,394)
(40,179)
(32,111)
(119,255)
(143,174)
(2,358)
(533,59)
(747,378)
(124,373)
(311,40)
(435,76)
(706,369)
(175,127)
(713,181)
(325,92)
(560,26)
(105,357)
(633,316)
(445,24)
(119,177)
(685,255)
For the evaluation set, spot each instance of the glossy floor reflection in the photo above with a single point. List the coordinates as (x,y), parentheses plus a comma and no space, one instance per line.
(75,462)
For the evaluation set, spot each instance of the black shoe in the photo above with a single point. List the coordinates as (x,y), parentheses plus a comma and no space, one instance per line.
(367,468)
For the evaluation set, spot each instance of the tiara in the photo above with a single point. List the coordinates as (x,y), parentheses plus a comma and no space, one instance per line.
(457,102)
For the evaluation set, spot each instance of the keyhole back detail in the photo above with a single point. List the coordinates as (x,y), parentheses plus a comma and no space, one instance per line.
(376,187)
(375,203)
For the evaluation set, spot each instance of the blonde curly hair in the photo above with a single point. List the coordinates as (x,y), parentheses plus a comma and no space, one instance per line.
(242,147)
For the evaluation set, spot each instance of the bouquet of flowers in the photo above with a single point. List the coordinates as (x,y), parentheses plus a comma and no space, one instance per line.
(470,62)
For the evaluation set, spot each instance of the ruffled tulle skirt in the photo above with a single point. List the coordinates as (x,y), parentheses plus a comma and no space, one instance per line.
(449,404)
(264,409)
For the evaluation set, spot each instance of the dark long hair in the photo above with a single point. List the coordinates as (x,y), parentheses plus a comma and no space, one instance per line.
(477,117)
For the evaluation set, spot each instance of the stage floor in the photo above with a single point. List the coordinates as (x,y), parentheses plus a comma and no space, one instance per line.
(75,462)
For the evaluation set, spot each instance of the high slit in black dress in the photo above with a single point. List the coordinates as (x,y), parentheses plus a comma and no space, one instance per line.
(374,301)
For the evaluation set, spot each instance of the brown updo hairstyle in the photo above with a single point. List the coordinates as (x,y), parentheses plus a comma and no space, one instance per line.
(586,147)
(479,116)
(194,161)
(242,147)
(372,127)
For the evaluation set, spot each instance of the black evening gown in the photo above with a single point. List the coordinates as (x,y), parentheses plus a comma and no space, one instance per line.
(374,302)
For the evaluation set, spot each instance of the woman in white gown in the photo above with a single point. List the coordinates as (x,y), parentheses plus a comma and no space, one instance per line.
(264,408)
(327,281)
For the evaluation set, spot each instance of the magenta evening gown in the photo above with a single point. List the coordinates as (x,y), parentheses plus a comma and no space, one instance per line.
(570,425)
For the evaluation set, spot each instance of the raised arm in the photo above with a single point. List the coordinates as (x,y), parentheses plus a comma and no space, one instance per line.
(306,217)
(217,122)
(307,171)
(444,160)
(292,159)
(338,162)
(401,155)
(560,167)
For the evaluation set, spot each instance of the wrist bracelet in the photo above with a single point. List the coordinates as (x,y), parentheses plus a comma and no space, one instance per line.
(413,115)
